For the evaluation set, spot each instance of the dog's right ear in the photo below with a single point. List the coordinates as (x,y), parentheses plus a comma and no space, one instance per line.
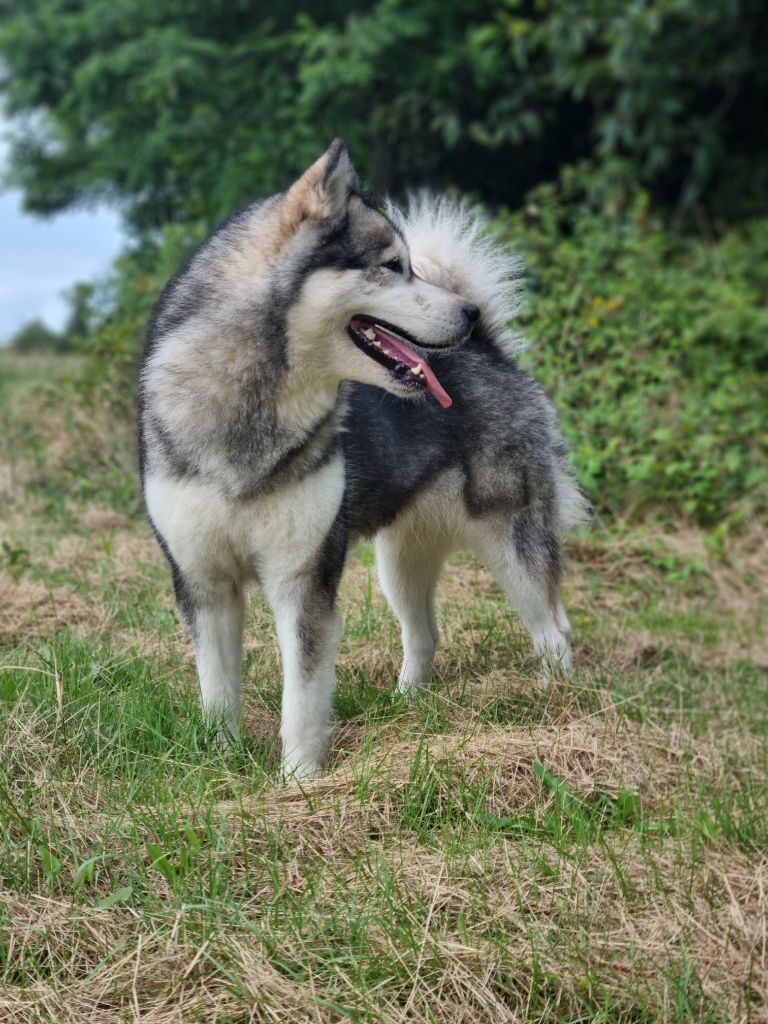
(321,193)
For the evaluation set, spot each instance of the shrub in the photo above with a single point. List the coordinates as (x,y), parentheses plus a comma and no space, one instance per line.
(653,343)
(36,336)
(654,346)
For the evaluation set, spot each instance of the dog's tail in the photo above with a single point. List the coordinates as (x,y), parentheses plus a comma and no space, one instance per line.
(456,247)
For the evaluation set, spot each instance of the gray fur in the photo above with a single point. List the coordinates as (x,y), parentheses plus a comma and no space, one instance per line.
(256,452)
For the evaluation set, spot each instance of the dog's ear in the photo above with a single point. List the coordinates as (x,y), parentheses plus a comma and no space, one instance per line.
(321,193)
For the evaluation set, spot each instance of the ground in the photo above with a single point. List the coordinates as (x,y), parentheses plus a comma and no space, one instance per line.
(503,849)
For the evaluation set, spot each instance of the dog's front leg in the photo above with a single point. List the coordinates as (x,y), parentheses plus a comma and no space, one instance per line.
(308,631)
(216,628)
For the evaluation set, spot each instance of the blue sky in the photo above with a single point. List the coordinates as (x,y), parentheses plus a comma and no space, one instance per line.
(40,257)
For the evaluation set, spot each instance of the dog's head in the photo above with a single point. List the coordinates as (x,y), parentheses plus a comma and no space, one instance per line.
(360,308)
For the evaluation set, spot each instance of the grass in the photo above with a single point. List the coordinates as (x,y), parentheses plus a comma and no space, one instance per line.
(503,849)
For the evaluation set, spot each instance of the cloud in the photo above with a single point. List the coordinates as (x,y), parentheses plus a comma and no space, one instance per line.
(41,257)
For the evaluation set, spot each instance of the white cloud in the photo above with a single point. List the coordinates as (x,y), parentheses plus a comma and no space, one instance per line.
(41,257)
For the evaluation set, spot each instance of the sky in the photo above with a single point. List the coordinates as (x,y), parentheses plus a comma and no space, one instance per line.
(42,256)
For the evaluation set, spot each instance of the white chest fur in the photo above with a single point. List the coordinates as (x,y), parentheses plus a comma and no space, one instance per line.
(208,532)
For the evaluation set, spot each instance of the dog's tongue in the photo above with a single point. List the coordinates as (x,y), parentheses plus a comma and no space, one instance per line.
(399,349)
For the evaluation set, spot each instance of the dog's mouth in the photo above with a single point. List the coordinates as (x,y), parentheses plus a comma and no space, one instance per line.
(390,346)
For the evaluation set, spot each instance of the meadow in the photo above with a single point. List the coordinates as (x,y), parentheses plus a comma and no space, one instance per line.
(504,848)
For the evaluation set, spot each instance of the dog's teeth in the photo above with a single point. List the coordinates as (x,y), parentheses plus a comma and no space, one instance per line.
(417,369)
(370,334)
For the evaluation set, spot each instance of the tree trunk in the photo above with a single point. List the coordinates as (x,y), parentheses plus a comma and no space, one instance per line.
(381,169)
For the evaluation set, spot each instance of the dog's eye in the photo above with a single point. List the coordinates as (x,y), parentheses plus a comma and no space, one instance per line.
(394,265)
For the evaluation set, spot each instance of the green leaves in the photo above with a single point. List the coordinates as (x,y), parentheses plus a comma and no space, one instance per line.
(161,861)
(174,864)
(569,818)
(119,896)
(49,862)
(651,344)
(586,819)
(184,111)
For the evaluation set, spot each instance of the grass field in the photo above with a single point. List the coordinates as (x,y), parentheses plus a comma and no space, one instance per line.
(503,849)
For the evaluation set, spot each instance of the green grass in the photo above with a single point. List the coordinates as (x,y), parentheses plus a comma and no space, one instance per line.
(22,375)
(502,848)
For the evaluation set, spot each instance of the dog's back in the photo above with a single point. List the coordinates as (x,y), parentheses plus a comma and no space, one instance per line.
(500,434)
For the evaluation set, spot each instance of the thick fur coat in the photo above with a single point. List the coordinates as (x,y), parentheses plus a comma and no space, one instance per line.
(322,371)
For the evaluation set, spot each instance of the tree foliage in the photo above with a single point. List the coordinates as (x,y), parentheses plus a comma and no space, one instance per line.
(654,344)
(36,336)
(185,109)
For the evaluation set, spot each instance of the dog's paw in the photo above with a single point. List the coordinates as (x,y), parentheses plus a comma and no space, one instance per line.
(302,771)
(409,689)
(555,657)
(412,686)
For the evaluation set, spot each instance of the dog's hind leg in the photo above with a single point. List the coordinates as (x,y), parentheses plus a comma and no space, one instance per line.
(525,561)
(409,567)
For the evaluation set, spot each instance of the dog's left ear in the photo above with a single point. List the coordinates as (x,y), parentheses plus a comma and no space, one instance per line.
(321,193)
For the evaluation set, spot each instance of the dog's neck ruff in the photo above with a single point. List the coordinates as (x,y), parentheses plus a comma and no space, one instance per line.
(298,458)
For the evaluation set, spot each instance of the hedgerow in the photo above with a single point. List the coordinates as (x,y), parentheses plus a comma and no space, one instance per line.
(653,343)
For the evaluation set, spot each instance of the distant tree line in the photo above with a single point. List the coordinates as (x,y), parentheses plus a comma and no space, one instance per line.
(37,336)
(181,110)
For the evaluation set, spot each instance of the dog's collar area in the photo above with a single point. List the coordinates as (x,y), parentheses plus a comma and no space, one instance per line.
(390,346)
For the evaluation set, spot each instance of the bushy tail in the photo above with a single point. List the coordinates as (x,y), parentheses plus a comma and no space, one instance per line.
(454,246)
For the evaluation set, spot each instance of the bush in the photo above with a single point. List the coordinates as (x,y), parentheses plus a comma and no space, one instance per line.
(36,336)
(654,347)
(653,344)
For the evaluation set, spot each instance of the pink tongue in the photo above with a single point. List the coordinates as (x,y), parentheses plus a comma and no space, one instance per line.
(394,347)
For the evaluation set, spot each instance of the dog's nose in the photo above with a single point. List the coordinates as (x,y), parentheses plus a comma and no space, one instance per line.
(471,312)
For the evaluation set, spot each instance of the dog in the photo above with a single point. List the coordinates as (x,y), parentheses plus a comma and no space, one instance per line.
(321,371)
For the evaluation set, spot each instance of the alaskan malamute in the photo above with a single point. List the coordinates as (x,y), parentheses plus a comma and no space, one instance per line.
(322,371)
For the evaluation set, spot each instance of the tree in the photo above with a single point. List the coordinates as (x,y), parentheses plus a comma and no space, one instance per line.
(185,109)
(173,111)
(82,315)
(36,336)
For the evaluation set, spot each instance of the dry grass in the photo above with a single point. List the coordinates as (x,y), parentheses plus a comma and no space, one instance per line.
(502,927)
(619,926)
(434,874)
(31,610)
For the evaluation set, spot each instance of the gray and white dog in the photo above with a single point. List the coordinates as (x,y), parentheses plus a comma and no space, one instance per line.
(303,385)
